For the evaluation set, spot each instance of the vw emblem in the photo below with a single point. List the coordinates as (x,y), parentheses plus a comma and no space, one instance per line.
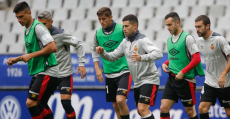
(10,108)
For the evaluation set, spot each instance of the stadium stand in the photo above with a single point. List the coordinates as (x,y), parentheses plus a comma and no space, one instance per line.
(79,17)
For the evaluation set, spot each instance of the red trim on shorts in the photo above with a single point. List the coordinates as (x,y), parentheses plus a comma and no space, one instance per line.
(153,95)
(45,112)
(129,85)
(49,111)
(192,89)
(43,86)
(37,117)
(70,115)
(71,81)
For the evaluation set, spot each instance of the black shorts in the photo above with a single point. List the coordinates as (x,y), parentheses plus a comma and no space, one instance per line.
(65,85)
(42,87)
(183,89)
(118,86)
(147,94)
(209,94)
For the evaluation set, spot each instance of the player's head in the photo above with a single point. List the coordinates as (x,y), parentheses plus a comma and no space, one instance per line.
(105,17)
(130,25)
(45,17)
(23,13)
(172,21)
(202,24)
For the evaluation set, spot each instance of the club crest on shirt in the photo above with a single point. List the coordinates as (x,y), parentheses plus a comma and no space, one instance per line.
(212,46)
(135,49)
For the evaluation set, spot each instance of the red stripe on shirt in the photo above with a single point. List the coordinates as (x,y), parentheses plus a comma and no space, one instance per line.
(43,86)
(129,85)
(192,89)
(153,95)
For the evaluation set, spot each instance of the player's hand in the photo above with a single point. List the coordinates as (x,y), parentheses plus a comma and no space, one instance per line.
(82,70)
(222,81)
(164,67)
(99,50)
(99,72)
(12,61)
(26,57)
(179,76)
(135,57)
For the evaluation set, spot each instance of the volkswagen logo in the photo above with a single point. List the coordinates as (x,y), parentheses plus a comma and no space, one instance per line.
(10,108)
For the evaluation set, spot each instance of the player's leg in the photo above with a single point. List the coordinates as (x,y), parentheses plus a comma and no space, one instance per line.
(169,97)
(207,98)
(147,97)
(117,111)
(111,91)
(203,109)
(124,84)
(37,90)
(224,99)
(66,88)
(186,92)
(43,102)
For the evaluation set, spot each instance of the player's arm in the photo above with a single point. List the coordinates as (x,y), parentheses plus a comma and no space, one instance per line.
(153,52)
(226,50)
(112,56)
(165,66)
(13,60)
(47,41)
(95,57)
(69,39)
(194,51)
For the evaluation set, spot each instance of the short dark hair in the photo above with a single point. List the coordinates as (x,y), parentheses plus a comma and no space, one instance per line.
(131,18)
(205,20)
(173,15)
(21,7)
(104,11)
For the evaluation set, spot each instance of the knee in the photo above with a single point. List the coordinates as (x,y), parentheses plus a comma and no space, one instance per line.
(202,109)
(141,110)
(30,103)
(164,109)
(190,111)
(115,106)
(120,101)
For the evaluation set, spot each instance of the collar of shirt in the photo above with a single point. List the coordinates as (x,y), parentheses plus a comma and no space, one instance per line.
(134,36)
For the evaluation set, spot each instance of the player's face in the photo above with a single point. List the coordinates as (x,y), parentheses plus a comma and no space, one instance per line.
(46,22)
(201,29)
(23,17)
(105,21)
(171,25)
(128,28)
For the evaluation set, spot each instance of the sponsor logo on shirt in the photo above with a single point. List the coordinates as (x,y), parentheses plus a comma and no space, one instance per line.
(212,46)
(173,52)
(110,43)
